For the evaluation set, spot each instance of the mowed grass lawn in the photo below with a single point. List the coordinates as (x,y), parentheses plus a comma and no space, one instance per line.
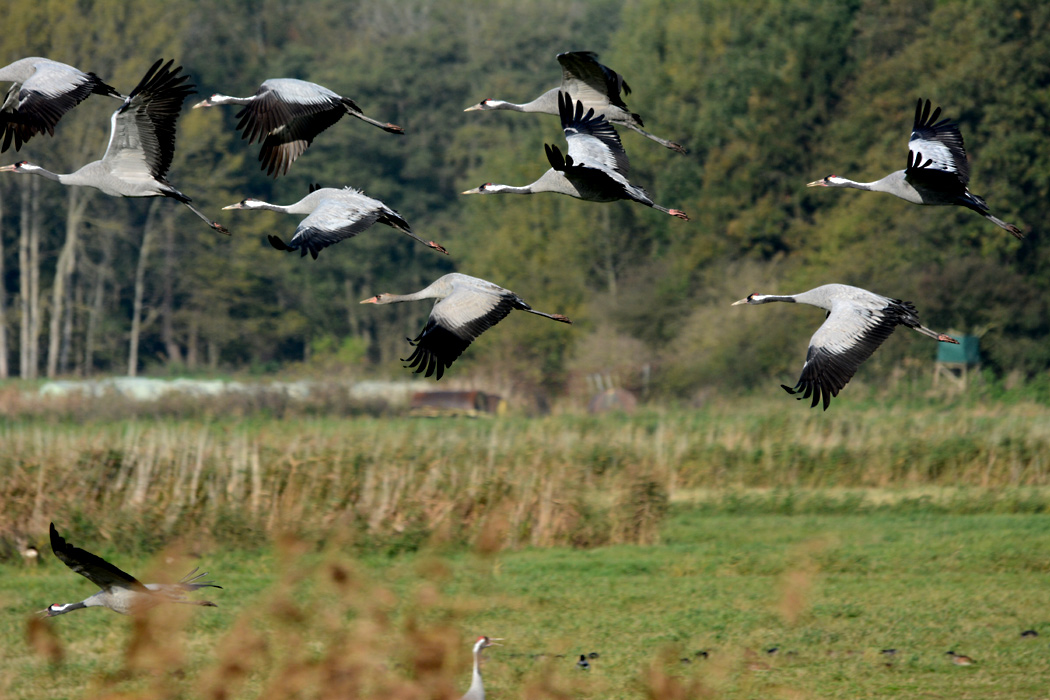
(829,592)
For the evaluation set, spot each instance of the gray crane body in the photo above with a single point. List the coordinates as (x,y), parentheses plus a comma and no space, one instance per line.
(466,307)
(937,173)
(141,144)
(595,167)
(42,92)
(333,215)
(120,591)
(285,114)
(595,85)
(857,323)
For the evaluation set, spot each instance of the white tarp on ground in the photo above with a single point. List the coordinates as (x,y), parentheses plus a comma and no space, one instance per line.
(144,389)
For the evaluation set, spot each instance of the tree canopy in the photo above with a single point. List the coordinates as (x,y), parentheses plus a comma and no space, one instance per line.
(766,96)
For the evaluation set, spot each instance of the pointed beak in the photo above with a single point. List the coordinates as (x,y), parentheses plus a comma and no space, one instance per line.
(8,168)
(202,103)
(370,300)
(476,190)
(475,108)
(238,205)
(493,641)
(818,183)
(738,303)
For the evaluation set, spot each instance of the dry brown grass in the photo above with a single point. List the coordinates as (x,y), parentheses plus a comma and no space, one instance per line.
(399,484)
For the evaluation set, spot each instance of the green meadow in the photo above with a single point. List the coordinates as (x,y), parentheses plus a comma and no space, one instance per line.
(361,556)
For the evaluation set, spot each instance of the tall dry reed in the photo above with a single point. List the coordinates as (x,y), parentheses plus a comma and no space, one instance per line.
(398,483)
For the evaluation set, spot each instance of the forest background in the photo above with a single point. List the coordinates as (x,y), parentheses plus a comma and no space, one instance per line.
(766,96)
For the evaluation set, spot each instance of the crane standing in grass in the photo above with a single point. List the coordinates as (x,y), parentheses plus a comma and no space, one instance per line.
(120,592)
(141,144)
(857,323)
(477,688)
(937,172)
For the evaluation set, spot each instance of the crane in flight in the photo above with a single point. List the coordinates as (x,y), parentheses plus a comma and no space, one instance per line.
(333,215)
(285,114)
(937,173)
(120,592)
(141,144)
(595,167)
(857,323)
(590,82)
(42,91)
(466,307)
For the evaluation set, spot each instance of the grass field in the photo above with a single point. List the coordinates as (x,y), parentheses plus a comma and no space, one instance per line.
(360,557)
(828,591)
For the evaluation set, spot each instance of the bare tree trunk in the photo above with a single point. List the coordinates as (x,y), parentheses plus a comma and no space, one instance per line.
(28,278)
(167,326)
(4,369)
(74,302)
(98,296)
(140,290)
(192,341)
(34,280)
(76,203)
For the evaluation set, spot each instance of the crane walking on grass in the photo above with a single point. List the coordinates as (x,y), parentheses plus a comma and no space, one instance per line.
(286,114)
(334,215)
(597,86)
(937,172)
(120,592)
(42,92)
(477,688)
(466,307)
(857,323)
(141,144)
(594,169)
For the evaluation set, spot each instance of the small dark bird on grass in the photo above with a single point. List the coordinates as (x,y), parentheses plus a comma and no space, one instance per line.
(583,664)
(960,659)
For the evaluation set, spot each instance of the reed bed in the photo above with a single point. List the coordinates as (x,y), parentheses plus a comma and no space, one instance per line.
(399,483)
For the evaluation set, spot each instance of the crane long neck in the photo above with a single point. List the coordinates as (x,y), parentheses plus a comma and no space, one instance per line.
(511,189)
(477,688)
(414,296)
(537,105)
(228,100)
(64,178)
(289,209)
(869,186)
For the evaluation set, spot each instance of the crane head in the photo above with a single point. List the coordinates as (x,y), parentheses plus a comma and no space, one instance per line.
(829,181)
(23,166)
(485,642)
(484,104)
(483,189)
(250,203)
